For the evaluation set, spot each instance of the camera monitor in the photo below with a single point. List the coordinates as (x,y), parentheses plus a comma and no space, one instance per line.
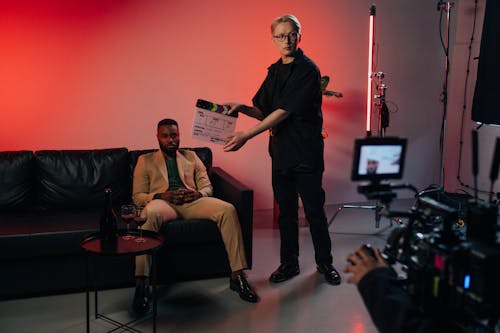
(378,159)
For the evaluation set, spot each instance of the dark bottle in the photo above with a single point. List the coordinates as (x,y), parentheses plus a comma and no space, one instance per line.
(107,223)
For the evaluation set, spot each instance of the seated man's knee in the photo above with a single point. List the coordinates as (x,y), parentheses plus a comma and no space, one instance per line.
(155,206)
(157,212)
(230,209)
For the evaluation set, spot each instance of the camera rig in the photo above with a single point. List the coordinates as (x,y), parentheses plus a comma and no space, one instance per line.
(450,261)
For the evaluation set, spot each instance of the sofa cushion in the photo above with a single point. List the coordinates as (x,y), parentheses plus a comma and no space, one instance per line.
(16,180)
(77,178)
(45,233)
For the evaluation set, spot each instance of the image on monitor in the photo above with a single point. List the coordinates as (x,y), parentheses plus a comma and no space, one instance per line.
(378,158)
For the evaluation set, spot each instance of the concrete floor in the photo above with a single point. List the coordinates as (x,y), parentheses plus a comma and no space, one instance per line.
(304,304)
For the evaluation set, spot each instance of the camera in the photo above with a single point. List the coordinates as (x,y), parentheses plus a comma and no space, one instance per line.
(450,263)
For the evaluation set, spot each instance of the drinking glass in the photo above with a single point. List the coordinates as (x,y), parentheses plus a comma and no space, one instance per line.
(127,213)
(140,219)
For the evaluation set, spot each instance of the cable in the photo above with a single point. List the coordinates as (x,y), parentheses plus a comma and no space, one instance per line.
(464,106)
(443,45)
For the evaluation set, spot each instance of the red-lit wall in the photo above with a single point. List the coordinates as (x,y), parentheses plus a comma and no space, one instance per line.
(85,74)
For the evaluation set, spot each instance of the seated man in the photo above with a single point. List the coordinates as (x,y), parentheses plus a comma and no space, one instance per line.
(174,183)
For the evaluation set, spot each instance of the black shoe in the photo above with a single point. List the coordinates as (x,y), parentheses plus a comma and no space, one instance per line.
(330,273)
(140,305)
(243,288)
(284,272)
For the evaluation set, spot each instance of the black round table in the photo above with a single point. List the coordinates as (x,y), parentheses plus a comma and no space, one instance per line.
(94,245)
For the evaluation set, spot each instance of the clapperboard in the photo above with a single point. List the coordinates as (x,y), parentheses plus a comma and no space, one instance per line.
(212,123)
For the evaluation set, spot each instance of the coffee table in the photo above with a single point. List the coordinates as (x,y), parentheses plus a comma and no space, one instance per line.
(93,246)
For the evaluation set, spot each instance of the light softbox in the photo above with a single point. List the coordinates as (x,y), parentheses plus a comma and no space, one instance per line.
(486,102)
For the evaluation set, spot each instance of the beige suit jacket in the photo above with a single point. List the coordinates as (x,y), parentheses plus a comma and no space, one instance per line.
(150,175)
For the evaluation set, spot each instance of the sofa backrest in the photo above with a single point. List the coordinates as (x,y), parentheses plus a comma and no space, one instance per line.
(52,179)
(17,180)
(204,153)
(77,178)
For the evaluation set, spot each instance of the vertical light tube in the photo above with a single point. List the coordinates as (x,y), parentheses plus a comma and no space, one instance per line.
(369,103)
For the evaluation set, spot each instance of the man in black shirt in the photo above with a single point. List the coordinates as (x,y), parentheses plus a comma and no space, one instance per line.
(288,104)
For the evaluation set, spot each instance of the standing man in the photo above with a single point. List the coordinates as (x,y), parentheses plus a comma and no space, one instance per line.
(288,104)
(172,183)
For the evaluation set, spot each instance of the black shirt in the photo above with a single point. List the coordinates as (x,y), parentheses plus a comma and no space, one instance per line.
(296,142)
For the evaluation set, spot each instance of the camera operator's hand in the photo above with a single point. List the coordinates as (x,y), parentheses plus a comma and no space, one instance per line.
(361,262)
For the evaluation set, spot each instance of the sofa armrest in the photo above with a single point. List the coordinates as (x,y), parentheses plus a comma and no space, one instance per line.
(229,189)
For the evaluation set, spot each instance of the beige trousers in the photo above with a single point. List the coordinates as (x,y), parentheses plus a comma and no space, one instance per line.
(221,212)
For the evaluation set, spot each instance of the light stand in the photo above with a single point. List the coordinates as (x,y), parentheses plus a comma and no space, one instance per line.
(444,7)
(383,123)
(371,44)
(383,112)
(381,106)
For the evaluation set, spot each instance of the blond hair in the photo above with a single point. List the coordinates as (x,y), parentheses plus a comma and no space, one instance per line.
(286,18)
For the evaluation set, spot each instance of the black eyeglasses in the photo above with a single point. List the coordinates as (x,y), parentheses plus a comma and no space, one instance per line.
(292,36)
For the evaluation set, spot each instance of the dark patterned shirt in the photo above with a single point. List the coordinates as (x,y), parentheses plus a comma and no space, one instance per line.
(174,180)
(296,142)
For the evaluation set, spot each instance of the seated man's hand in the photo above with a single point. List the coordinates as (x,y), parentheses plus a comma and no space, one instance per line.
(190,195)
(180,196)
(360,263)
(175,197)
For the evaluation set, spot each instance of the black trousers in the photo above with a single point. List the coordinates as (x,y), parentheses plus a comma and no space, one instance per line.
(287,186)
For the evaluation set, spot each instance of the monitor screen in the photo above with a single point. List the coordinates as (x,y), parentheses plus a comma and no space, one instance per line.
(378,158)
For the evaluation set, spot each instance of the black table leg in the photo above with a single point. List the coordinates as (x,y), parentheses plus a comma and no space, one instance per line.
(96,311)
(87,290)
(155,308)
(92,244)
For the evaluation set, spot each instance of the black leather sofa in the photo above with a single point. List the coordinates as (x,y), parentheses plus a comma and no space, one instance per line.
(50,199)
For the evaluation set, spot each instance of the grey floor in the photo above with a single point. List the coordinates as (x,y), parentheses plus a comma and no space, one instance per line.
(303,304)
